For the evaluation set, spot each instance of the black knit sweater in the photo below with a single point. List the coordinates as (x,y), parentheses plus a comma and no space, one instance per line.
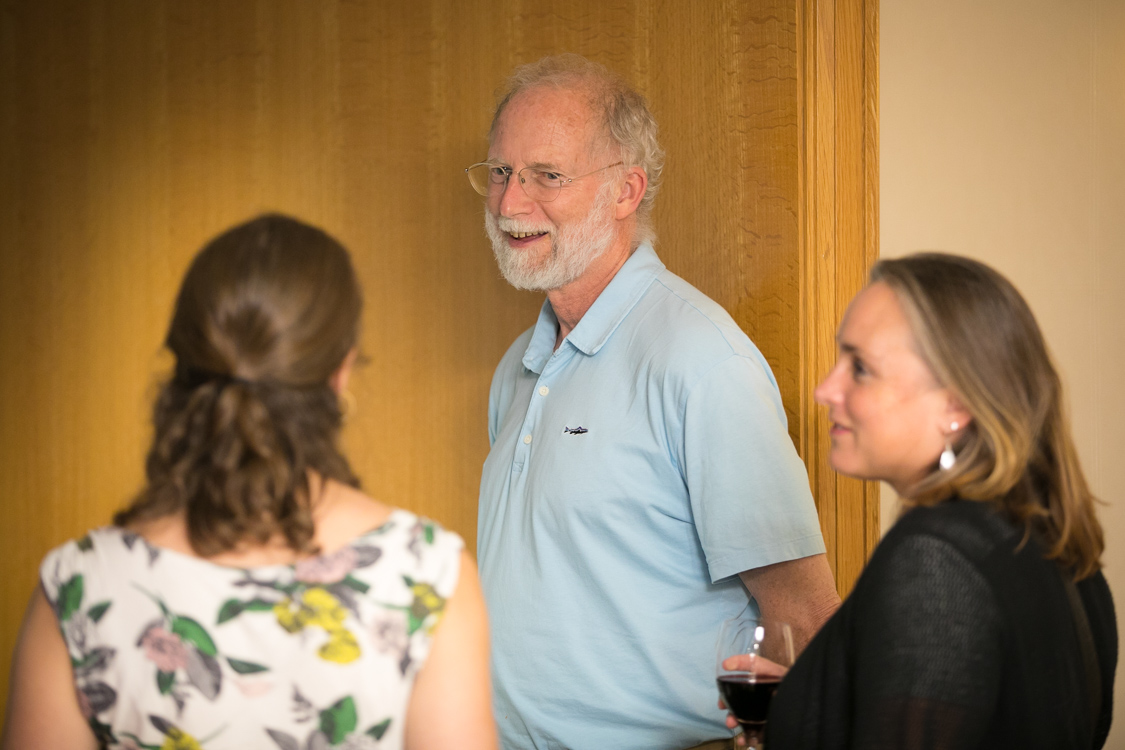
(955,637)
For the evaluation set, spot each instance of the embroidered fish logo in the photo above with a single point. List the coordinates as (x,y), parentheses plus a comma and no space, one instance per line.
(575,430)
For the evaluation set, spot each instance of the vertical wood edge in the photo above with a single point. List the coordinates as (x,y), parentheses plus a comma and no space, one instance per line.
(810,271)
(832,271)
(871,208)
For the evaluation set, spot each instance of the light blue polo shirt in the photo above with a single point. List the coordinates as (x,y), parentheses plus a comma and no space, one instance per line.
(633,473)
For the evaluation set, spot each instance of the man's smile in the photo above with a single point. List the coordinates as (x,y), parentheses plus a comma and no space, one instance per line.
(521,240)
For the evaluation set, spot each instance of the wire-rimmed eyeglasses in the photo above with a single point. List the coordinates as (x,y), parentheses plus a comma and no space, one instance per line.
(539,184)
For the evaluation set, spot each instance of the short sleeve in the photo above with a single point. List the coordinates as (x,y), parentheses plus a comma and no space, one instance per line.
(748,488)
(64,577)
(928,650)
(430,570)
(440,561)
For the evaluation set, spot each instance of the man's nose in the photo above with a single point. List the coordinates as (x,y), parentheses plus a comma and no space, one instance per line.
(513,199)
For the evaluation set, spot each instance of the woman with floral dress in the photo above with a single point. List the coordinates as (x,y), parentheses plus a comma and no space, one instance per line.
(252,596)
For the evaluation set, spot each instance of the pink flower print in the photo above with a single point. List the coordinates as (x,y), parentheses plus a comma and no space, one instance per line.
(253,688)
(326,568)
(164,649)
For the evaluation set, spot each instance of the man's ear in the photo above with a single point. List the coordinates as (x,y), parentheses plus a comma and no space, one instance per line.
(632,191)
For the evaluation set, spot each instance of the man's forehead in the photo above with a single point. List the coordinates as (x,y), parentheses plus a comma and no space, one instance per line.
(546,127)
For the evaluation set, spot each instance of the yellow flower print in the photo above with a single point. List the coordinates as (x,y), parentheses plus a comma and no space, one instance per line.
(325,610)
(177,739)
(293,621)
(427,602)
(341,648)
(431,600)
(319,608)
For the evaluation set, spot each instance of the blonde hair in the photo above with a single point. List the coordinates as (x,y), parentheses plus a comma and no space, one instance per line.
(625,115)
(982,342)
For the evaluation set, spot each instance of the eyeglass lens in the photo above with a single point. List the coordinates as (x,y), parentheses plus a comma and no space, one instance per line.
(538,184)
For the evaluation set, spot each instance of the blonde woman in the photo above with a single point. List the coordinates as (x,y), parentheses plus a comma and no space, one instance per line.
(982,619)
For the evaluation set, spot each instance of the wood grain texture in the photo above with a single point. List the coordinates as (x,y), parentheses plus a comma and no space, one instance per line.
(839,210)
(872,500)
(132,131)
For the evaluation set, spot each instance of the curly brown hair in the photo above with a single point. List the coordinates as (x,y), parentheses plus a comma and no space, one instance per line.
(982,342)
(267,313)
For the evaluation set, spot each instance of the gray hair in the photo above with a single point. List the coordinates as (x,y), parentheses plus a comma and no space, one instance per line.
(625,115)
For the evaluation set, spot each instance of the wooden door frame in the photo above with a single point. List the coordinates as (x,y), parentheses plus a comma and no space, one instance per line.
(838,75)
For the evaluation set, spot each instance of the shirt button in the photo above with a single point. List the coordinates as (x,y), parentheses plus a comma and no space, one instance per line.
(544,390)
(527,439)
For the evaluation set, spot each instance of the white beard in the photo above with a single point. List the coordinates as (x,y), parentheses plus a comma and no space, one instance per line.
(573,247)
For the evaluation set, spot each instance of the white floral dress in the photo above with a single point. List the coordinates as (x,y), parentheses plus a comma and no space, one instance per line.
(171,652)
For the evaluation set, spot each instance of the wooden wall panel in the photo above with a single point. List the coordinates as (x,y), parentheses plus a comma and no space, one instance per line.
(839,226)
(131,131)
(728,216)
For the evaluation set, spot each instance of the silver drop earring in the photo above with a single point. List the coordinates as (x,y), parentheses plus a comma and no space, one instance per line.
(948,457)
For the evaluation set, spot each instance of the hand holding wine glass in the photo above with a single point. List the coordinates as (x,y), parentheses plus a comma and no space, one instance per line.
(753,655)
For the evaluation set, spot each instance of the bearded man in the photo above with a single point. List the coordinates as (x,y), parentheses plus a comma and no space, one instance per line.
(641,479)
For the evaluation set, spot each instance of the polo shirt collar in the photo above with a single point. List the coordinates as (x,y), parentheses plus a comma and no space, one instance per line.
(622,293)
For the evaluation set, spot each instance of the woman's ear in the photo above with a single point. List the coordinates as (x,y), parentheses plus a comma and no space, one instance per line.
(955,412)
(338,380)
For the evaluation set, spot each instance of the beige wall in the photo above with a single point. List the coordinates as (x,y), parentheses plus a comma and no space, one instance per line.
(1003,138)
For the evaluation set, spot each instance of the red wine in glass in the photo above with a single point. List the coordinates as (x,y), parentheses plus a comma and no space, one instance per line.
(752,656)
(748,698)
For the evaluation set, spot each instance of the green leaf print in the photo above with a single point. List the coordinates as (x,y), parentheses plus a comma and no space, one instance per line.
(164,681)
(413,622)
(192,632)
(70,597)
(96,612)
(355,585)
(95,660)
(339,721)
(103,732)
(232,608)
(138,742)
(377,731)
(85,544)
(429,533)
(245,667)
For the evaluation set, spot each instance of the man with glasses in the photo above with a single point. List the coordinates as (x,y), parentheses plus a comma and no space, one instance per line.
(641,471)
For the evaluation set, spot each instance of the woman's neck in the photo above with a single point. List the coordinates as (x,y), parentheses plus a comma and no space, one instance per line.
(339,512)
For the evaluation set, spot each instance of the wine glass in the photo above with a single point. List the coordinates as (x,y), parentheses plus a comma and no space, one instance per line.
(753,655)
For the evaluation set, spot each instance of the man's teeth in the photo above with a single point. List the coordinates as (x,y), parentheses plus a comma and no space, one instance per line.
(521,235)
